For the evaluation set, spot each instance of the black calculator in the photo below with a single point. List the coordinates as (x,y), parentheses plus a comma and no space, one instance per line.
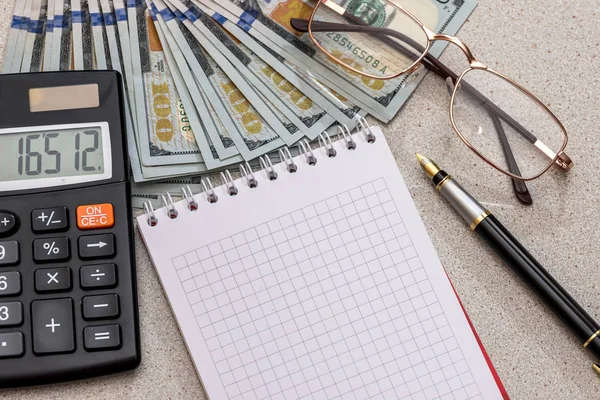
(68,297)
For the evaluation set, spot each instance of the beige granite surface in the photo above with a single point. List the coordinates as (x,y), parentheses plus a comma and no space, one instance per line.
(551,48)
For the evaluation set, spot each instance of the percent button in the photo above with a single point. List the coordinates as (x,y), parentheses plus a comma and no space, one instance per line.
(51,249)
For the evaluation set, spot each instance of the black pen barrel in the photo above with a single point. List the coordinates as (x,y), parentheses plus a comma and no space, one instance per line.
(540,281)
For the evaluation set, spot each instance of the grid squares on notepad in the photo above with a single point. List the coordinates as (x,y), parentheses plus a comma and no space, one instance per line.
(329,301)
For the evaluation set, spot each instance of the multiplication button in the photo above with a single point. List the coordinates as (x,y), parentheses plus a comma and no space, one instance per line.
(51,249)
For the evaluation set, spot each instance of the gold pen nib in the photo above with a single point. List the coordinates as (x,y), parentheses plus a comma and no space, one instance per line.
(428,166)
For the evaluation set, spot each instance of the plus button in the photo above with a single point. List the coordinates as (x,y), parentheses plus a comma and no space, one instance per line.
(5,221)
(52,325)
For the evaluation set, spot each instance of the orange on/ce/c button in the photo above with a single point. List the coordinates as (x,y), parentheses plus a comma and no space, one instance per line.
(95,216)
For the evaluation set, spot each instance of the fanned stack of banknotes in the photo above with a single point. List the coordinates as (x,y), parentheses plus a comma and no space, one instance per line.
(210,84)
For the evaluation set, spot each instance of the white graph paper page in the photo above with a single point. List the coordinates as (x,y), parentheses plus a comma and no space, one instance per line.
(322,284)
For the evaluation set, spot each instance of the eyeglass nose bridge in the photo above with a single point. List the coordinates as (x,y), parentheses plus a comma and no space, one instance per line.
(473,62)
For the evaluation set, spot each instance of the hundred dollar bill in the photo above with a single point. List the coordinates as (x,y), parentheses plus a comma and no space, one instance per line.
(307,96)
(279,125)
(34,43)
(164,133)
(297,122)
(191,97)
(18,30)
(77,20)
(49,39)
(381,98)
(52,63)
(62,59)
(100,40)
(250,133)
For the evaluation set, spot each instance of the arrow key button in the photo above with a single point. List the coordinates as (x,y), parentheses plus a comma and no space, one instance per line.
(97,246)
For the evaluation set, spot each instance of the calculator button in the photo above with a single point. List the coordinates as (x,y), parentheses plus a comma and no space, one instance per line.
(101,307)
(51,249)
(11,345)
(98,276)
(10,283)
(103,337)
(11,314)
(49,220)
(53,279)
(97,246)
(52,322)
(8,223)
(9,253)
(95,216)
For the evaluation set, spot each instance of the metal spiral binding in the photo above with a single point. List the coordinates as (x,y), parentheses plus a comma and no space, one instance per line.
(267,165)
(246,172)
(327,143)
(304,148)
(228,181)
(286,157)
(170,206)
(364,124)
(350,143)
(188,196)
(151,216)
(211,196)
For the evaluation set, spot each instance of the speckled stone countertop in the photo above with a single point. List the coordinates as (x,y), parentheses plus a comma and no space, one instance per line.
(552,49)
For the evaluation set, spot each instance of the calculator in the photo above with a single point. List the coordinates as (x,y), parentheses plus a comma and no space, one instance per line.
(68,297)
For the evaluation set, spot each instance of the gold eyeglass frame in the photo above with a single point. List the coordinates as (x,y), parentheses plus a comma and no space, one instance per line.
(559,158)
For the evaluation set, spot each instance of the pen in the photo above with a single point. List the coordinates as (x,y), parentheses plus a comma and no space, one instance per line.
(517,258)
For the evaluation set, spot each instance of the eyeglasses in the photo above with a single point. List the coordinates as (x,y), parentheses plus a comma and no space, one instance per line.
(498,119)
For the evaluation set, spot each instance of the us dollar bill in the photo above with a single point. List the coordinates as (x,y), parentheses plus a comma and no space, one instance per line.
(381,98)
(36,33)
(49,39)
(164,133)
(193,99)
(250,134)
(258,74)
(288,77)
(13,54)
(62,56)
(100,41)
(279,125)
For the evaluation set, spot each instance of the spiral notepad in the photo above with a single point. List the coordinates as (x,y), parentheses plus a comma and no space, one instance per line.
(315,278)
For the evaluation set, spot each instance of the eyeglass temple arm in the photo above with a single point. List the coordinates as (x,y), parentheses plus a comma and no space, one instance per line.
(520,188)
(301,25)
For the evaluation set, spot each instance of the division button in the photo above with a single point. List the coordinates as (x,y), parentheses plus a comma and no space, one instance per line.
(10,283)
(8,223)
(49,220)
(52,279)
(97,246)
(101,307)
(52,322)
(9,253)
(98,276)
(51,249)
(11,314)
(103,337)
(11,345)
(95,216)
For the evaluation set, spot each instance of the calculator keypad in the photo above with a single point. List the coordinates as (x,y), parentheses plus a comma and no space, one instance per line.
(9,253)
(53,279)
(10,283)
(49,220)
(11,345)
(8,223)
(53,330)
(97,246)
(51,249)
(11,314)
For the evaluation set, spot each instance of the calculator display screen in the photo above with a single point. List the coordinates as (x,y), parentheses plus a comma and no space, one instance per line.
(55,155)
